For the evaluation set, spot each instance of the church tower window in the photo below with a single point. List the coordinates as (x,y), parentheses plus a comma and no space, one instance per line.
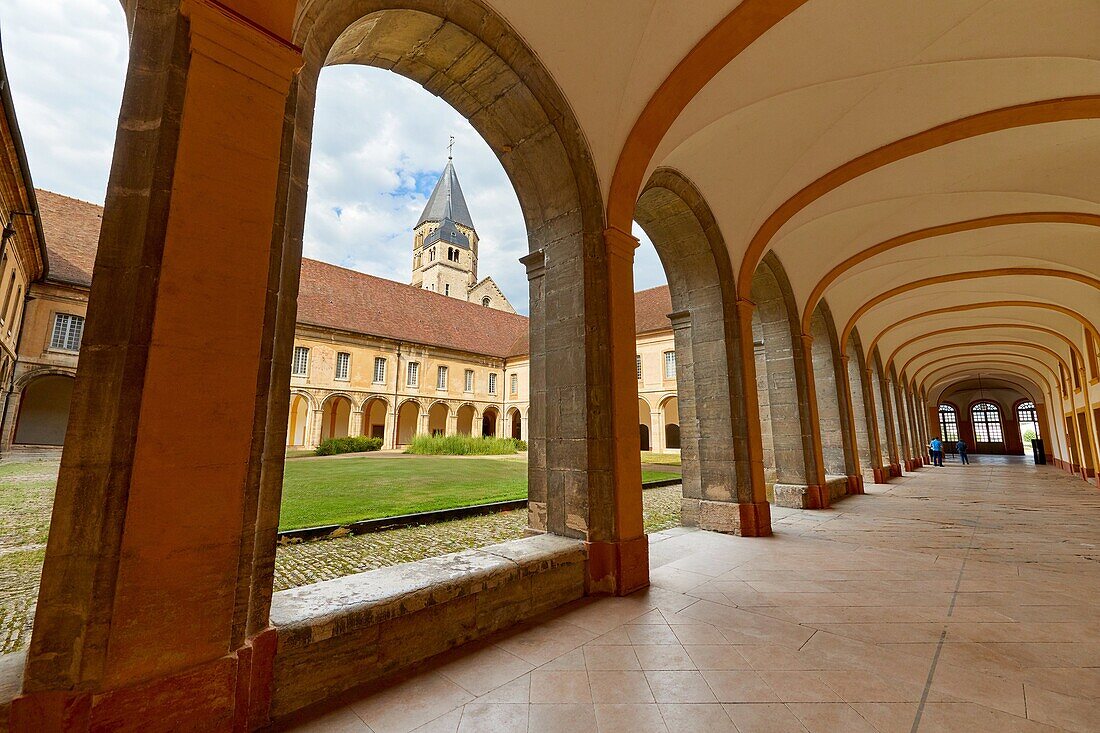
(486,301)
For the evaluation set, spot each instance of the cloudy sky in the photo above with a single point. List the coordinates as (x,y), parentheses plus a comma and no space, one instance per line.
(380,143)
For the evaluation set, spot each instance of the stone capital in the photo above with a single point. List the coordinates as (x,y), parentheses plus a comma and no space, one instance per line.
(680,320)
(620,244)
(229,38)
(535,262)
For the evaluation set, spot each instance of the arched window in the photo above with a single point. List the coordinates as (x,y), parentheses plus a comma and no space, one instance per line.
(986,417)
(1028,418)
(949,423)
(485,300)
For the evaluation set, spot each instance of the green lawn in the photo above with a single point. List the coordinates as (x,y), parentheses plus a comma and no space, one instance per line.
(344,490)
(663,459)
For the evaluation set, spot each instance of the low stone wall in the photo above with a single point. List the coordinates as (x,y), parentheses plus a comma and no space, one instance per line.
(838,487)
(342,633)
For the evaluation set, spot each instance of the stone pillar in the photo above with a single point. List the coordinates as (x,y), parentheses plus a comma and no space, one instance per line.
(619,560)
(156,584)
(535,431)
(452,423)
(817,493)
(756,512)
(355,422)
(316,428)
(11,415)
(859,453)
(422,423)
(1090,426)
(881,471)
(389,440)
(657,429)
(522,431)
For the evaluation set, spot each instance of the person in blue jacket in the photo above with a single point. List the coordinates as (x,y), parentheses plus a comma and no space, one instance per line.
(961,448)
(936,449)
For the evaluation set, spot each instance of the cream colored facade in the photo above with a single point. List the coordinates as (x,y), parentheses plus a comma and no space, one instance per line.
(474,396)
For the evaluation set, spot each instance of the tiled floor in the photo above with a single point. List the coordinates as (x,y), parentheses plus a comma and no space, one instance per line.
(955,599)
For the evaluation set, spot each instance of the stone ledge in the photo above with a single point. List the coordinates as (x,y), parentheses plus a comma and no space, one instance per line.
(343,633)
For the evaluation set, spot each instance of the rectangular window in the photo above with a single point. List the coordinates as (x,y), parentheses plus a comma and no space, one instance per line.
(343,364)
(469,384)
(412,375)
(379,370)
(67,332)
(513,386)
(638,365)
(446,289)
(670,365)
(300,367)
(492,383)
(441,381)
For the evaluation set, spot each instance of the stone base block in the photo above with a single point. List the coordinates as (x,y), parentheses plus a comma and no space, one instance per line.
(895,470)
(617,568)
(798,496)
(836,487)
(855,485)
(882,475)
(727,517)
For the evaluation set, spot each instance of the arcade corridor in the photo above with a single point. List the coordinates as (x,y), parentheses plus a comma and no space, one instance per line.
(959,599)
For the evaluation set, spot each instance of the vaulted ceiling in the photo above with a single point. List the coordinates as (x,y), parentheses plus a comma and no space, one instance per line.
(900,158)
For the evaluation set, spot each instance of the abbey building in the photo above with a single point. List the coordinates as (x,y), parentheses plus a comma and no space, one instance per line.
(445,245)
(446,354)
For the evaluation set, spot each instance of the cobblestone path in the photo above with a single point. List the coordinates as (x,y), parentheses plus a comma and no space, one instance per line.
(312,562)
(26,499)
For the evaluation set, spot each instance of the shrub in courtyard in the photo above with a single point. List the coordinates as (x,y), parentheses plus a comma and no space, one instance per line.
(350,444)
(463,445)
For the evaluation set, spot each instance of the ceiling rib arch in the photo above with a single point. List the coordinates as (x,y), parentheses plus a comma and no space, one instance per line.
(1035,217)
(960,276)
(1005,118)
(979,327)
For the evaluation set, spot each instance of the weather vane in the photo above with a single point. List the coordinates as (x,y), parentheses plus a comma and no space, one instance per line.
(450,148)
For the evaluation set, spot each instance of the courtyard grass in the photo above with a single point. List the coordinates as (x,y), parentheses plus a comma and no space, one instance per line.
(660,459)
(346,490)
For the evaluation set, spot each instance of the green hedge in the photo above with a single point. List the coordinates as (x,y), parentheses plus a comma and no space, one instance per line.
(357,444)
(464,445)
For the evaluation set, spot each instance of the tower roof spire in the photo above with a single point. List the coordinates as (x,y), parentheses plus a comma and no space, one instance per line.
(447,201)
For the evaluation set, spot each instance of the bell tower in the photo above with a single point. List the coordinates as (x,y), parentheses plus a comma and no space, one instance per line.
(444,239)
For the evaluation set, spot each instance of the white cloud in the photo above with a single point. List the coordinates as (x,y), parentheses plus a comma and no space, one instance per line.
(379,144)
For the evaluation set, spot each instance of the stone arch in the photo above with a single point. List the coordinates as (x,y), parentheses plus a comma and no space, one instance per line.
(298,421)
(862,418)
(43,415)
(439,414)
(709,378)
(783,385)
(336,413)
(408,421)
(515,424)
(836,442)
(465,53)
(490,422)
(645,424)
(375,411)
(670,422)
(466,416)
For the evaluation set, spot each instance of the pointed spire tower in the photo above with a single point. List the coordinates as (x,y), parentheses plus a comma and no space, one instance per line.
(445,246)
(445,241)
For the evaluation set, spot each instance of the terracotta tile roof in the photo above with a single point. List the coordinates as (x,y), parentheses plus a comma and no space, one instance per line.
(71,227)
(651,309)
(335,297)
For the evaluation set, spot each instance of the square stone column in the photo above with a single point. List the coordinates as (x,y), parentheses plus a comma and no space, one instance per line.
(157,578)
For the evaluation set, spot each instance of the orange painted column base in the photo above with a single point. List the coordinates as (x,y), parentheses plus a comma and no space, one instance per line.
(817,497)
(882,475)
(855,485)
(756,519)
(895,470)
(232,693)
(618,568)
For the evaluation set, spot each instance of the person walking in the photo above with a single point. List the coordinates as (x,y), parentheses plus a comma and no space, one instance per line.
(961,448)
(936,449)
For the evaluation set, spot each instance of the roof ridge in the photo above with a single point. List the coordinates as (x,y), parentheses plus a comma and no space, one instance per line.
(71,198)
